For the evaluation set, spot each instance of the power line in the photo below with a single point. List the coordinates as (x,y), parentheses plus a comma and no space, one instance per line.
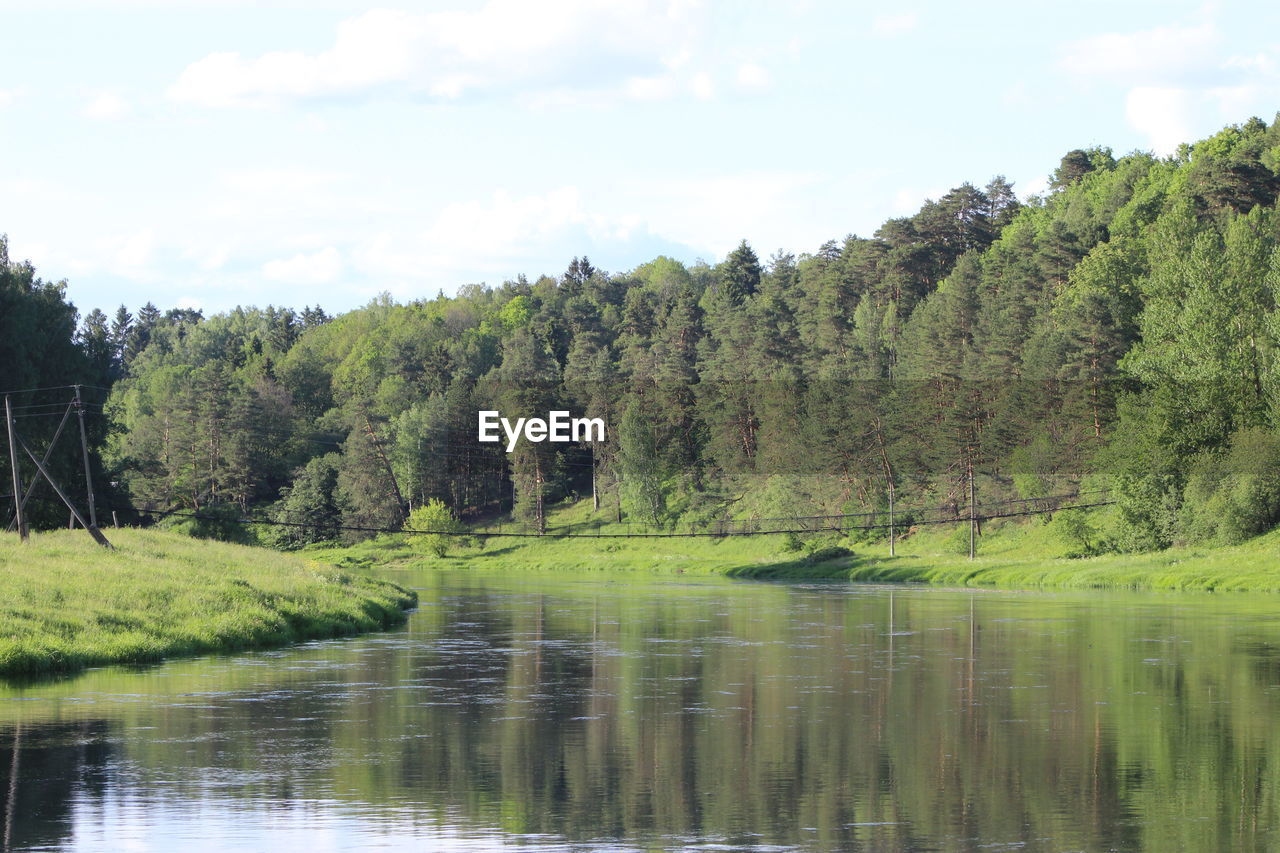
(34,390)
(566,533)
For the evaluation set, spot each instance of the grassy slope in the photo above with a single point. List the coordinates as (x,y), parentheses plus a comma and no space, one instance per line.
(65,603)
(1012,554)
(1025,554)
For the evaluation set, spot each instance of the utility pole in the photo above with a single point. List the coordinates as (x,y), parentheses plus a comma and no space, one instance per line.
(973,512)
(75,513)
(595,494)
(386,463)
(16,441)
(891,537)
(888,476)
(84,449)
(13,465)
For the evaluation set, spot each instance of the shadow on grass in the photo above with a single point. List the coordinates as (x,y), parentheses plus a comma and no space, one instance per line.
(853,567)
(490,552)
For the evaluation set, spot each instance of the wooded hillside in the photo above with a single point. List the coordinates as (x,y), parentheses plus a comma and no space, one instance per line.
(1119,333)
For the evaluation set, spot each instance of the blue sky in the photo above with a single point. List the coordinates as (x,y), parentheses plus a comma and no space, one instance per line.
(208,154)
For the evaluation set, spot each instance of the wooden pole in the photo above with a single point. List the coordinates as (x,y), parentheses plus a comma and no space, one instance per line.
(973,514)
(13,464)
(35,478)
(595,494)
(891,536)
(93,531)
(84,450)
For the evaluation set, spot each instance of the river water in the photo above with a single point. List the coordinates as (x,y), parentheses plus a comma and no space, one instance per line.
(567,713)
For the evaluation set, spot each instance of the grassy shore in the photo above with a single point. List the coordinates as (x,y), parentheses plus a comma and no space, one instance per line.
(66,603)
(1011,554)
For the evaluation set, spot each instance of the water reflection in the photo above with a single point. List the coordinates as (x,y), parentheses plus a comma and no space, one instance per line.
(41,765)
(602,714)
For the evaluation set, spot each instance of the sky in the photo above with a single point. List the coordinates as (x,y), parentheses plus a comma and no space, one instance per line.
(209,154)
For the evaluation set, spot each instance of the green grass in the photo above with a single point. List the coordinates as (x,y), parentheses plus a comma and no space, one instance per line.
(1023,555)
(66,603)
(1019,554)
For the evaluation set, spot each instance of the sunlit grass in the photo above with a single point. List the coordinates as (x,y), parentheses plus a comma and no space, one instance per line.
(66,603)
(1013,554)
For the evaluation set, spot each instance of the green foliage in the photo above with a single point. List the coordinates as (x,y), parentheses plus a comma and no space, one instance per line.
(432,526)
(1233,495)
(1124,326)
(826,554)
(219,522)
(1147,513)
(1078,163)
(645,480)
(740,274)
(309,511)
(957,541)
(40,348)
(1074,529)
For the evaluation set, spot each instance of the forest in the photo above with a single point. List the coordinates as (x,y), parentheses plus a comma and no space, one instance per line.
(1116,336)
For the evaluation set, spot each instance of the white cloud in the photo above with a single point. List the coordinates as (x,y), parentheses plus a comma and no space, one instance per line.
(895,24)
(650,88)
(282,181)
(210,259)
(714,213)
(503,46)
(1235,102)
(753,77)
(1146,55)
(506,220)
(702,86)
(322,267)
(130,254)
(107,106)
(907,201)
(1263,63)
(7,97)
(1163,114)
(1017,95)
(135,251)
(280,194)
(1177,85)
(499,236)
(503,228)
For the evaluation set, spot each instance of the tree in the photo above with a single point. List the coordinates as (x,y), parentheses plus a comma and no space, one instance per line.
(40,348)
(431,526)
(739,274)
(121,326)
(94,338)
(644,478)
(311,503)
(1079,162)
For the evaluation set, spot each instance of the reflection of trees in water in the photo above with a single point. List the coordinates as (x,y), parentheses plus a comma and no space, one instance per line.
(962,721)
(945,722)
(42,767)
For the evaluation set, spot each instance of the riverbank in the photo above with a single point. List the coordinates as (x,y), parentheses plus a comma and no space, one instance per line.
(1012,554)
(66,603)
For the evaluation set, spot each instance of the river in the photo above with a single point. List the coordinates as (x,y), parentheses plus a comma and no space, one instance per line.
(627,712)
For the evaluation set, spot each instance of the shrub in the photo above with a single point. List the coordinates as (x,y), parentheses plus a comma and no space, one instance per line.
(825,553)
(220,522)
(431,526)
(1147,513)
(1234,494)
(1074,530)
